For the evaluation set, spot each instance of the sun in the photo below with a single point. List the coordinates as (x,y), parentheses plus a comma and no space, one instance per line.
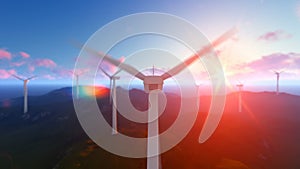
(228,73)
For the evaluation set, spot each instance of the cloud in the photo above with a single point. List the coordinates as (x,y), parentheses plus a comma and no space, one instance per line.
(81,71)
(31,68)
(49,77)
(24,54)
(261,68)
(68,73)
(109,67)
(274,36)
(18,64)
(5,74)
(62,72)
(273,61)
(44,63)
(4,54)
(48,63)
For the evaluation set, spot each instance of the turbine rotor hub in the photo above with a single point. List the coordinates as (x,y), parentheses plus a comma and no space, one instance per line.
(153,83)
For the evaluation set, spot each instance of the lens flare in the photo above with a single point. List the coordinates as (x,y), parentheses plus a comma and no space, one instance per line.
(97,91)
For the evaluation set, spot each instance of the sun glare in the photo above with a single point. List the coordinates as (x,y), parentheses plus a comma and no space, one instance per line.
(98,91)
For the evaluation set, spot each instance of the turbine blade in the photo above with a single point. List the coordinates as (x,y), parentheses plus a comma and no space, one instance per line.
(18,77)
(131,70)
(200,53)
(118,71)
(32,77)
(105,72)
(224,37)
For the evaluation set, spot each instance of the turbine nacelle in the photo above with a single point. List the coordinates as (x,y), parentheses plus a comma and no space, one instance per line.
(153,83)
(240,85)
(115,77)
(277,72)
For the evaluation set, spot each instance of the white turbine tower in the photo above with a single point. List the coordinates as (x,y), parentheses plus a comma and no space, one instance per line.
(25,81)
(112,98)
(153,85)
(240,86)
(77,74)
(277,81)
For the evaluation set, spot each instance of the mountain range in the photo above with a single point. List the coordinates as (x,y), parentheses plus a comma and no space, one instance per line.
(263,135)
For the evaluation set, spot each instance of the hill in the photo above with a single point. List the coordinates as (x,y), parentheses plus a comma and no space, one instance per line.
(264,135)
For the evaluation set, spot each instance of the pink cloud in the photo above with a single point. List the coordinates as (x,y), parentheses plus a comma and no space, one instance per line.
(274,36)
(31,68)
(63,72)
(18,64)
(4,74)
(109,67)
(4,54)
(295,60)
(92,60)
(24,54)
(45,63)
(49,77)
(68,73)
(273,61)
(81,71)
(262,67)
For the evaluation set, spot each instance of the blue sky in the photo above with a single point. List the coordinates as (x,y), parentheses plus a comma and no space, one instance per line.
(36,36)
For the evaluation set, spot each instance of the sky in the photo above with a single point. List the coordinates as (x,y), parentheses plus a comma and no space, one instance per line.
(36,36)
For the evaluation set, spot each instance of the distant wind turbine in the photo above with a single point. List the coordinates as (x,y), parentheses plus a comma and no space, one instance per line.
(77,74)
(25,81)
(240,86)
(277,81)
(153,84)
(112,98)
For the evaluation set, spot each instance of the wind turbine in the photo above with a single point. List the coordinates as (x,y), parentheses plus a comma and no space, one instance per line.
(277,81)
(77,74)
(25,81)
(153,85)
(240,86)
(112,97)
